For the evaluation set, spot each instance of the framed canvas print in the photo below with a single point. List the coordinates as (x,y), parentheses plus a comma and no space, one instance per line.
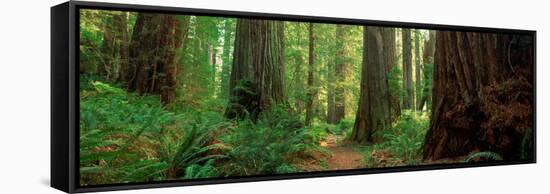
(149,96)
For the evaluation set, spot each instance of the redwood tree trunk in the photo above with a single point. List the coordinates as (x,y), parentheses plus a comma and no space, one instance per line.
(311,93)
(257,66)
(482,96)
(343,52)
(374,108)
(121,25)
(417,69)
(155,40)
(390,61)
(408,99)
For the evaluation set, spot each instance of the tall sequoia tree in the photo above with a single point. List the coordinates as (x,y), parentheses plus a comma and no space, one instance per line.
(152,67)
(390,61)
(373,112)
(482,96)
(341,73)
(257,74)
(311,93)
(408,99)
(428,61)
(417,68)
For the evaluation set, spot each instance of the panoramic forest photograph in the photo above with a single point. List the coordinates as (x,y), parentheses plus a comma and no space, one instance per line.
(166,97)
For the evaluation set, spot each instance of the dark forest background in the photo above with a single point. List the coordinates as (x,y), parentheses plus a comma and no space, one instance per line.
(166,97)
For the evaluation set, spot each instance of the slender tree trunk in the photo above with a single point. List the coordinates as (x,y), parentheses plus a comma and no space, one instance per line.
(374,106)
(482,96)
(343,51)
(155,40)
(259,65)
(408,99)
(427,56)
(121,23)
(330,94)
(298,82)
(212,61)
(417,69)
(108,48)
(226,57)
(390,61)
(311,95)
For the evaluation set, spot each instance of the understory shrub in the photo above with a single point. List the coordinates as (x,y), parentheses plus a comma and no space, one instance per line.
(267,146)
(125,137)
(404,140)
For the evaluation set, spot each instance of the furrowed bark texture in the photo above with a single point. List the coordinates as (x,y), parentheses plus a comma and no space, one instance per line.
(374,107)
(258,59)
(482,96)
(408,99)
(390,61)
(152,68)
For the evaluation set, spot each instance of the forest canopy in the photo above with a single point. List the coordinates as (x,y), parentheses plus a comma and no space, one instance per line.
(176,97)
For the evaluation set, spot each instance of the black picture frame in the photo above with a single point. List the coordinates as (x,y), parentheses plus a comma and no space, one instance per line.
(65,99)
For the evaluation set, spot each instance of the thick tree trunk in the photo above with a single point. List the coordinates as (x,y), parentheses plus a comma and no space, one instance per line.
(343,51)
(482,96)
(373,112)
(155,40)
(417,69)
(258,67)
(390,61)
(311,93)
(408,99)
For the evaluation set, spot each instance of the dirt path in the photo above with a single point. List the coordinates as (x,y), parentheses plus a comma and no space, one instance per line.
(341,157)
(344,158)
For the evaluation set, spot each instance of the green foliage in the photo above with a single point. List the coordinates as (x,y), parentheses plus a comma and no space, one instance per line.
(395,81)
(130,138)
(267,146)
(193,148)
(112,122)
(321,130)
(197,171)
(403,142)
(427,83)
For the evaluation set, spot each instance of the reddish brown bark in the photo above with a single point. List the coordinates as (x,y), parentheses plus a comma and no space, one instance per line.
(482,96)
(343,52)
(408,99)
(155,40)
(258,67)
(311,93)
(390,61)
(373,112)
(417,69)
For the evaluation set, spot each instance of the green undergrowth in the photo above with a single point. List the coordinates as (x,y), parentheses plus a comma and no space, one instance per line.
(401,144)
(125,137)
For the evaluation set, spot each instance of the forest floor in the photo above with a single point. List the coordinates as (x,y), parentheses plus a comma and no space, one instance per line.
(340,156)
